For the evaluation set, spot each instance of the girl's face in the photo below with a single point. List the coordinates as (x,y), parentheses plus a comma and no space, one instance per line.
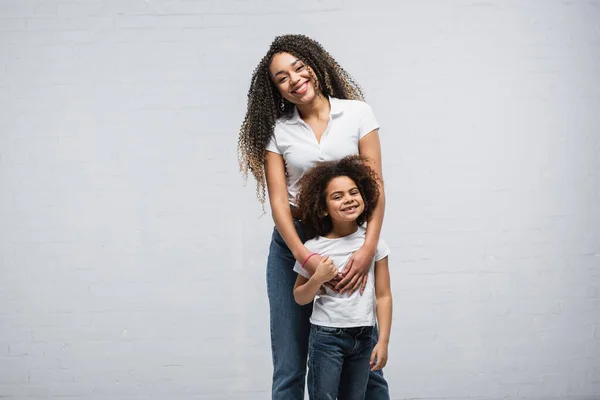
(343,200)
(292,78)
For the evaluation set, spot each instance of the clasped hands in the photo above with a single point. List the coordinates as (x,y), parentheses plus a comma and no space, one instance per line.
(353,277)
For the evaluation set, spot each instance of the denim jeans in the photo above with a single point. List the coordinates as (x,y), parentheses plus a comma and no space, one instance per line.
(290,328)
(338,362)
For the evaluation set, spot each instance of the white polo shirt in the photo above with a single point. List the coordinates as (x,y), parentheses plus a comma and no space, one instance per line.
(349,121)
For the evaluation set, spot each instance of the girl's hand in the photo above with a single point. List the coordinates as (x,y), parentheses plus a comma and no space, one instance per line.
(379,356)
(326,271)
(311,267)
(356,271)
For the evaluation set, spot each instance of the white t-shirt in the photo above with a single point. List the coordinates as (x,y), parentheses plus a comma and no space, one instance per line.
(340,310)
(349,121)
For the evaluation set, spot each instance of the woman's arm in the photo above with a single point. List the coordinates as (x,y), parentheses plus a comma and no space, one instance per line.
(383,293)
(356,270)
(370,147)
(280,208)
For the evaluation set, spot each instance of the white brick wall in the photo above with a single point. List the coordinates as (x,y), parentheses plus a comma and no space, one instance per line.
(132,257)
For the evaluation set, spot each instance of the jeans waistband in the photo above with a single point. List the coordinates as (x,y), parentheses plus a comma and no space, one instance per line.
(353,331)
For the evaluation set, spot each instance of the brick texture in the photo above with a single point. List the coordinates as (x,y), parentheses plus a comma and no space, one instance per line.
(132,256)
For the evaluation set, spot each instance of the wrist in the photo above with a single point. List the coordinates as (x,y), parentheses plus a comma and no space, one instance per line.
(318,280)
(300,253)
(370,247)
(383,341)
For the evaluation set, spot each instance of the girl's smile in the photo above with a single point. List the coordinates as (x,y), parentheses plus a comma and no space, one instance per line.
(344,202)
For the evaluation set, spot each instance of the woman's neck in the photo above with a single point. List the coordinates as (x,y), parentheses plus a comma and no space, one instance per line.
(318,109)
(342,229)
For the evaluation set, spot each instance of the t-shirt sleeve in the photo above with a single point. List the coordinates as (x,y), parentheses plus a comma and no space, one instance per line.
(272,145)
(301,271)
(298,267)
(367,121)
(382,250)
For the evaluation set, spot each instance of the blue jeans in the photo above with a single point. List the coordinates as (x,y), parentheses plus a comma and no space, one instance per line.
(290,328)
(338,362)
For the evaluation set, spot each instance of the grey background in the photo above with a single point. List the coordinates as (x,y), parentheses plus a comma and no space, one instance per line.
(132,257)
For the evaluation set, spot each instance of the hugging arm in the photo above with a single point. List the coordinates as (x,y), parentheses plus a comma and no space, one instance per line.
(280,206)
(356,270)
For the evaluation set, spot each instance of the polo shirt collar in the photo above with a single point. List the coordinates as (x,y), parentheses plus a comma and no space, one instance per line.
(336,109)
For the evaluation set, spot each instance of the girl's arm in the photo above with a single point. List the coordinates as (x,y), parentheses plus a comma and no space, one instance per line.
(305,290)
(356,270)
(383,293)
(280,206)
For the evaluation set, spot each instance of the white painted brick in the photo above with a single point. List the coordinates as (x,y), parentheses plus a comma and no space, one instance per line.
(132,258)
(10,391)
(93,23)
(49,377)
(10,374)
(12,24)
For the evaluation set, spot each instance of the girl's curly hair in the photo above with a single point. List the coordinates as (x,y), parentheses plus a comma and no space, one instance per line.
(264,100)
(313,185)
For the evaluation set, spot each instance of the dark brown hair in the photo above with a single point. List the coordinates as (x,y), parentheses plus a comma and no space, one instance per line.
(264,99)
(313,185)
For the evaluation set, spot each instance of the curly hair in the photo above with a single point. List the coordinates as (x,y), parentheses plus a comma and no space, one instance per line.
(313,184)
(264,99)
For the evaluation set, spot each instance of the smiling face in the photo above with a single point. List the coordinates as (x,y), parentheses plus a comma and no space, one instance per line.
(343,200)
(293,78)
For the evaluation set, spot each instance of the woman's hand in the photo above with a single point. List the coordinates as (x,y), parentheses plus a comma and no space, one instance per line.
(356,271)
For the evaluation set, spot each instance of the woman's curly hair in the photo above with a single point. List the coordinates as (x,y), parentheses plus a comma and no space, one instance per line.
(313,185)
(264,100)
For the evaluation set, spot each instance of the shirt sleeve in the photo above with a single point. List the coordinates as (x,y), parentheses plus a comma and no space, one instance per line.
(382,250)
(367,119)
(298,267)
(301,271)
(272,145)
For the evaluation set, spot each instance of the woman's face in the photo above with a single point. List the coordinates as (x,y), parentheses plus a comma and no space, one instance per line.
(293,78)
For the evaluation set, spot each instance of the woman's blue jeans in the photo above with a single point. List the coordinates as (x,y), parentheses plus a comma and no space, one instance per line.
(290,328)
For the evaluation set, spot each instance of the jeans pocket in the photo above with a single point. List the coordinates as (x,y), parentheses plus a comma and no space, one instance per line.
(366,332)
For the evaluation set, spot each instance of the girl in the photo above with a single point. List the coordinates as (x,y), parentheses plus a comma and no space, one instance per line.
(336,198)
(303,107)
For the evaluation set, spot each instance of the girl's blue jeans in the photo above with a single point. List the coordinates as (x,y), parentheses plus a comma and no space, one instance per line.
(290,328)
(338,362)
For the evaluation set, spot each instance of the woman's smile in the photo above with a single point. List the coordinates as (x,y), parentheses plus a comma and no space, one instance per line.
(301,89)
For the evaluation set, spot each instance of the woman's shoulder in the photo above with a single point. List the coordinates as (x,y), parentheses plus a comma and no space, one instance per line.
(349,102)
(284,120)
(358,106)
(280,125)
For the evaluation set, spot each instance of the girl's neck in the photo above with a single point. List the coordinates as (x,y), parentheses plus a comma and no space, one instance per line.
(318,109)
(342,229)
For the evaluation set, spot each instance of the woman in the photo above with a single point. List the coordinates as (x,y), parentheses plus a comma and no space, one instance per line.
(303,107)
